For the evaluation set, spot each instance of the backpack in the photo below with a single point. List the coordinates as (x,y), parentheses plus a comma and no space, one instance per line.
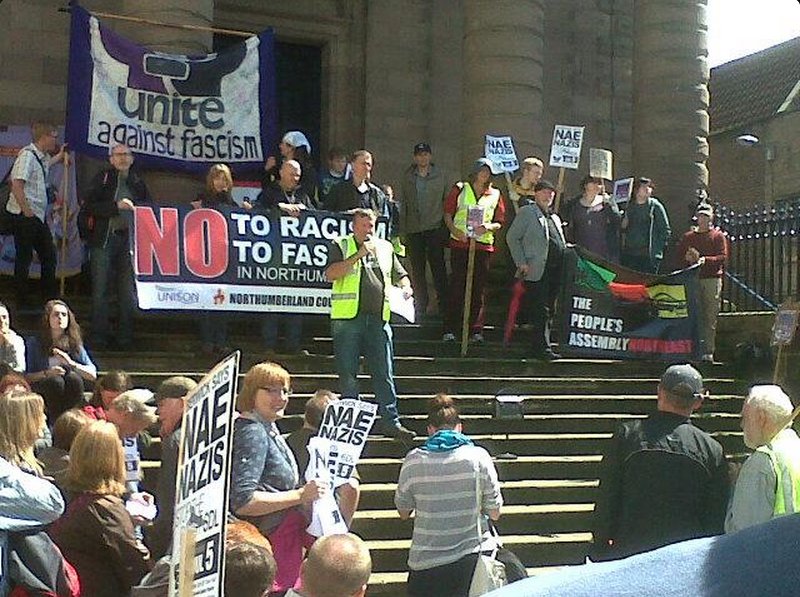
(5,195)
(37,568)
(6,217)
(86,221)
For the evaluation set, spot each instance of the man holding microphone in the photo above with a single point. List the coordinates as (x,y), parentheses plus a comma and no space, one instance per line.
(363,269)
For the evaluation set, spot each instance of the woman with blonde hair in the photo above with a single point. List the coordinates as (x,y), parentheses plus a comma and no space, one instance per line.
(96,533)
(57,361)
(27,501)
(265,482)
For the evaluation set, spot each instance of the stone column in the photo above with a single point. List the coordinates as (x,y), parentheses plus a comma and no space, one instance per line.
(502,92)
(169,187)
(670,101)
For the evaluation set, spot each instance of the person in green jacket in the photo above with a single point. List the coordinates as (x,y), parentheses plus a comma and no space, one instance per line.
(646,230)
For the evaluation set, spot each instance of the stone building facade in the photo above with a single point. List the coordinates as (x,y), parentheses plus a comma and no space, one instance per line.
(396,72)
(757,96)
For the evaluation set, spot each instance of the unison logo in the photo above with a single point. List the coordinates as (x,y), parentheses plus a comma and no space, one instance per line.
(168,294)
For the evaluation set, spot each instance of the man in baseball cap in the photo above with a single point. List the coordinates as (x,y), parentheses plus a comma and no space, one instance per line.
(707,246)
(170,399)
(662,480)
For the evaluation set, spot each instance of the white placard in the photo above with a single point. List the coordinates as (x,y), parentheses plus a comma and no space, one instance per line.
(333,456)
(565,151)
(601,163)
(500,150)
(203,481)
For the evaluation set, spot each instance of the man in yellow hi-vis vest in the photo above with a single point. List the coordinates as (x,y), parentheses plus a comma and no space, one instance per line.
(363,269)
(768,484)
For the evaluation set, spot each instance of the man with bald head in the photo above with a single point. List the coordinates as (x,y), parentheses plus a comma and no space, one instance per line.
(284,197)
(112,196)
(336,566)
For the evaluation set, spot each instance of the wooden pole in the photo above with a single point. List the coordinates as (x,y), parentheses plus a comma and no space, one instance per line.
(140,21)
(186,567)
(778,358)
(64,221)
(560,189)
(468,297)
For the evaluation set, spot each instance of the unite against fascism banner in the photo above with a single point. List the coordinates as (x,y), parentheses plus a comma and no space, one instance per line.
(608,311)
(173,111)
(229,259)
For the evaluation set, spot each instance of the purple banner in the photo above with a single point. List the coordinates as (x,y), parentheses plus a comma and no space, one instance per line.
(175,112)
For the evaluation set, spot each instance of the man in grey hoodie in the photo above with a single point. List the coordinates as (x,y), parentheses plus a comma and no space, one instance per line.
(422,194)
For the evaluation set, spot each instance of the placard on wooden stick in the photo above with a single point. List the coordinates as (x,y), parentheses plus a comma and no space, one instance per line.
(783,332)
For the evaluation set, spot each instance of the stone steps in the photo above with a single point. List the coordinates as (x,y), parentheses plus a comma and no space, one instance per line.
(570,408)
(455,384)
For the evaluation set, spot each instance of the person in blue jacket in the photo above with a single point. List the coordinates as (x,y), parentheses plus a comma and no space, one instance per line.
(58,365)
(27,501)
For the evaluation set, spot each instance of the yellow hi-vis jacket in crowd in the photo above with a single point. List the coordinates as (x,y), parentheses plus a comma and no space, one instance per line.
(784,454)
(466,199)
(344,296)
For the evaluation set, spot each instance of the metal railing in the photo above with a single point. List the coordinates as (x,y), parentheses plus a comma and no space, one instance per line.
(764,265)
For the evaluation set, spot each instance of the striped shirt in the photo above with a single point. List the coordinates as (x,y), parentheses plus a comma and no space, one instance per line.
(440,488)
(34,172)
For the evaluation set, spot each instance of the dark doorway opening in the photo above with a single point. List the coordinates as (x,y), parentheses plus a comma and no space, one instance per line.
(299,88)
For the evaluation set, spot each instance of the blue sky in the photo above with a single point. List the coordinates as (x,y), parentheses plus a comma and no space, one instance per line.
(740,27)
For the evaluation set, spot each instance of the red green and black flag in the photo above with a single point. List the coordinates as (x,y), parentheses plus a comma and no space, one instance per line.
(608,311)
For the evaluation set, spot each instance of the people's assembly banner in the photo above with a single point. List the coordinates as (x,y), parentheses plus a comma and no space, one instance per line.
(173,111)
(333,455)
(608,311)
(12,139)
(202,485)
(231,259)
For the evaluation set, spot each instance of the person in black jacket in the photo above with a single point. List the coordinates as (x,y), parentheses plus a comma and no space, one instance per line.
(284,197)
(112,195)
(359,191)
(214,325)
(293,146)
(662,480)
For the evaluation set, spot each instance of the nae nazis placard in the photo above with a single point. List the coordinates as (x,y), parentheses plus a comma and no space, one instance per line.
(202,487)
(333,455)
(230,259)
(566,149)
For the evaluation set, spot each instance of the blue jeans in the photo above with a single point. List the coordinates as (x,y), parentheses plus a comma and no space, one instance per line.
(113,260)
(371,336)
(292,330)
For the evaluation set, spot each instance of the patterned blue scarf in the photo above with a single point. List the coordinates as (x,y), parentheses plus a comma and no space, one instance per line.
(446,440)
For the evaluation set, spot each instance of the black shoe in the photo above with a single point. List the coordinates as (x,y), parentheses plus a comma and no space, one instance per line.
(398,432)
(546,355)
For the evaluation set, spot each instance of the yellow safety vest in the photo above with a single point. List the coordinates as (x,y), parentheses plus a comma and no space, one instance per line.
(466,199)
(784,454)
(344,296)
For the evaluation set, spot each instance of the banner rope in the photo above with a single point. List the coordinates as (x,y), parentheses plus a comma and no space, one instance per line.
(141,21)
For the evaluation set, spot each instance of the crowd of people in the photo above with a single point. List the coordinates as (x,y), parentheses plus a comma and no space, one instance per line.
(429,215)
(70,480)
(70,467)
